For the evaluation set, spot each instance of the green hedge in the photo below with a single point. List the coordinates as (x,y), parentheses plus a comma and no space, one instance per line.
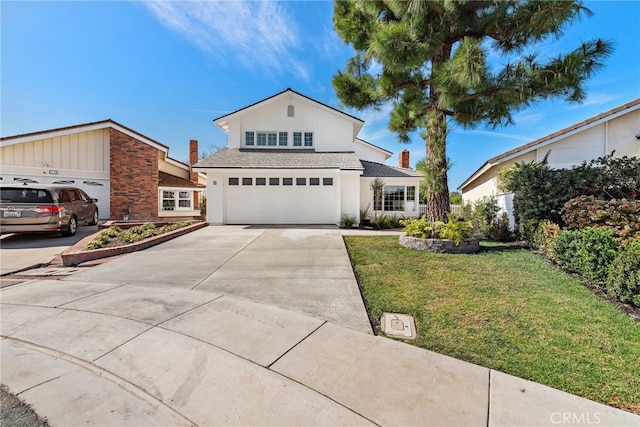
(623,280)
(588,252)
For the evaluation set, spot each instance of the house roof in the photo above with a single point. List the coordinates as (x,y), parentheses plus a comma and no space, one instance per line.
(234,158)
(168,180)
(108,123)
(378,170)
(553,137)
(288,90)
(85,127)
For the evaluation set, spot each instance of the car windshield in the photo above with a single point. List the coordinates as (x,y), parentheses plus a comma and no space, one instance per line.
(25,195)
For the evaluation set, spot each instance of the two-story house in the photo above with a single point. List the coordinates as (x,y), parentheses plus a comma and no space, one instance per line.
(293,160)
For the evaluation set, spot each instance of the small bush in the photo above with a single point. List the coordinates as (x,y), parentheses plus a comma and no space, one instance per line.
(544,236)
(381,221)
(347,221)
(588,252)
(624,274)
(622,217)
(499,229)
(454,229)
(417,227)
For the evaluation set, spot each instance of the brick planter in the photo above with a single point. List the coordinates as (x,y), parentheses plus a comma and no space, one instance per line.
(78,255)
(443,246)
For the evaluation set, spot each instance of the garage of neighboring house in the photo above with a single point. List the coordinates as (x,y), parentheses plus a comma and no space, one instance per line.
(130,174)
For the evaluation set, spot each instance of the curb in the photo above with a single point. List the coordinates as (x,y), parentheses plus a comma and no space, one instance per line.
(75,255)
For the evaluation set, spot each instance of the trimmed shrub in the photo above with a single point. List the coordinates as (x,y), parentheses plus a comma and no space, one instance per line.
(500,230)
(543,238)
(624,274)
(622,217)
(587,252)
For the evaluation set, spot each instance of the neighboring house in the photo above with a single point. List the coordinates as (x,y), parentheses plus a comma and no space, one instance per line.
(131,175)
(617,130)
(293,160)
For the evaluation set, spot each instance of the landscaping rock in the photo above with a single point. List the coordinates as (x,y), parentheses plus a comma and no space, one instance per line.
(441,245)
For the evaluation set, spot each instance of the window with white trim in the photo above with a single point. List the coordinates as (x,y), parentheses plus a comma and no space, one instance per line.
(398,198)
(308,139)
(283,139)
(297,139)
(262,139)
(172,200)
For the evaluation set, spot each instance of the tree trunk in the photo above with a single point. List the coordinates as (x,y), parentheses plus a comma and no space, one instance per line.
(436,167)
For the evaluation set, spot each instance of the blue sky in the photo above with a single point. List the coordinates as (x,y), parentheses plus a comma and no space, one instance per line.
(167,69)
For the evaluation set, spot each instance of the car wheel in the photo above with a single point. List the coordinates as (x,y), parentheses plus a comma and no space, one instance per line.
(94,221)
(73,227)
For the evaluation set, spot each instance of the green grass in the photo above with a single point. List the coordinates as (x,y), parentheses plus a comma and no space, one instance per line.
(506,309)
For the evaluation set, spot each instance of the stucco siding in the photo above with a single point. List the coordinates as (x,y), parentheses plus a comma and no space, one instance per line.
(621,135)
(369,153)
(574,149)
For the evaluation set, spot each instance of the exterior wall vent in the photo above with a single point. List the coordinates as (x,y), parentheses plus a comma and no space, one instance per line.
(290,111)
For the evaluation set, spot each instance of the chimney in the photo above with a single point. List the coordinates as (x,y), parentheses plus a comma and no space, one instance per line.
(404,159)
(193,159)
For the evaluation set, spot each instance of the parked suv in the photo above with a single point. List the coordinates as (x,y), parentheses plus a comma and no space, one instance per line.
(38,207)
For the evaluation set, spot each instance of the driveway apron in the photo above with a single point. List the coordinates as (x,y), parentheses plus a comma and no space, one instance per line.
(303,268)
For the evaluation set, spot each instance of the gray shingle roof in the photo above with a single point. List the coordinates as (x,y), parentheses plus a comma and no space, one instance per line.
(280,159)
(378,170)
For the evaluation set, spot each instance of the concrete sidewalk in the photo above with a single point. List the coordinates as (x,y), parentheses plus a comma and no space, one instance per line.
(113,355)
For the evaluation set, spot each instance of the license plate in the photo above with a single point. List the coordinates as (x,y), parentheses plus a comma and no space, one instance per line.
(12,214)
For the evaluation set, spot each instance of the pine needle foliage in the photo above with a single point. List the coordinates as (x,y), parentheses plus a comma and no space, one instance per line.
(429,59)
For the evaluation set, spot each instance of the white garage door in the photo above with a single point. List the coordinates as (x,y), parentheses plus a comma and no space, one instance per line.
(281,200)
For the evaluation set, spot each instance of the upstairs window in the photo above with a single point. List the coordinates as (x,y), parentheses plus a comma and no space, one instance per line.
(262,139)
(249,138)
(272,139)
(283,139)
(308,139)
(297,139)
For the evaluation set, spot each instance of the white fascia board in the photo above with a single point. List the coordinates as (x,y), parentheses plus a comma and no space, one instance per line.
(473,177)
(54,133)
(387,153)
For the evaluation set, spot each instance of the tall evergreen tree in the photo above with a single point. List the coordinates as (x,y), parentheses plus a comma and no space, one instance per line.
(430,59)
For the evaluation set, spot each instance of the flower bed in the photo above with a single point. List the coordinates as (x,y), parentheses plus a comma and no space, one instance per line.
(115,246)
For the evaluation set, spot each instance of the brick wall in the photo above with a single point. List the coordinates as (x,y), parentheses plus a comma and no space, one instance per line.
(134,178)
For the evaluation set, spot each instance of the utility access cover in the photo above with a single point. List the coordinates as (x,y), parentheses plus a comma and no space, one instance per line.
(398,325)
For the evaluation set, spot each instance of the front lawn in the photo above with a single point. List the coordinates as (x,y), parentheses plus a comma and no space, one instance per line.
(506,309)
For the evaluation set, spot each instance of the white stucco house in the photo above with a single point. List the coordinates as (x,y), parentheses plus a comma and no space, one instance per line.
(616,130)
(293,160)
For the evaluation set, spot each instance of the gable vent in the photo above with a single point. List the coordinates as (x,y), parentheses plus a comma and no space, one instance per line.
(290,111)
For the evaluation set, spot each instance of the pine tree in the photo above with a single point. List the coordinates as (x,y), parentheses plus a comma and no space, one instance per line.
(430,60)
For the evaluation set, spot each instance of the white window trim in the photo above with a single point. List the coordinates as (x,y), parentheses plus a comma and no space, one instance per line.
(290,139)
(176,191)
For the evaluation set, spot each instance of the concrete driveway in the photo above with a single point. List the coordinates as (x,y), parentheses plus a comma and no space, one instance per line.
(21,251)
(168,336)
(303,269)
